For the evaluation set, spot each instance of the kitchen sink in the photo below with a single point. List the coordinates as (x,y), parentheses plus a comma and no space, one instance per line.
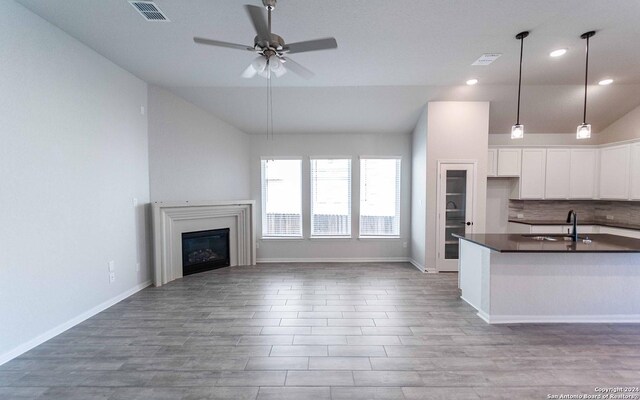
(551,237)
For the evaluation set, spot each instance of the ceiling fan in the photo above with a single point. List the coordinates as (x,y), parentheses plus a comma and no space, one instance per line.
(271,49)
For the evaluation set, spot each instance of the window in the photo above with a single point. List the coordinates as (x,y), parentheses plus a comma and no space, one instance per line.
(331,197)
(281,198)
(380,197)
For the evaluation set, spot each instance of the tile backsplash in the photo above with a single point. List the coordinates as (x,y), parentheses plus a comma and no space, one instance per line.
(626,212)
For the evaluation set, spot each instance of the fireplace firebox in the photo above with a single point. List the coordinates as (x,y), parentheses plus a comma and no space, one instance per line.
(205,250)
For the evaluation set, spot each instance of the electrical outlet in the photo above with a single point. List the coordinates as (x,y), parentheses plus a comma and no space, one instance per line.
(404,245)
(610,217)
(135,201)
(112,277)
(520,216)
(137,267)
(112,265)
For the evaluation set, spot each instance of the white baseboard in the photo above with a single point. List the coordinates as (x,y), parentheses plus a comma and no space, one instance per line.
(558,319)
(483,315)
(417,265)
(332,260)
(23,348)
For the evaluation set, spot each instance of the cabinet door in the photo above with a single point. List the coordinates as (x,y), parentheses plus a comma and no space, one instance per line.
(533,174)
(515,227)
(557,174)
(635,171)
(553,229)
(588,229)
(492,162)
(583,176)
(632,233)
(614,172)
(509,162)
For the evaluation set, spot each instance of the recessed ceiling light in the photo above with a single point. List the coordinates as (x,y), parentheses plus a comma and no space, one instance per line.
(558,53)
(472,82)
(605,82)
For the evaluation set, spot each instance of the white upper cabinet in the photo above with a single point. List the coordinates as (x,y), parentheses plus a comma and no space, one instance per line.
(492,162)
(635,171)
(583,174)
(614,172)
(557,174)
(509,162)
(533,173)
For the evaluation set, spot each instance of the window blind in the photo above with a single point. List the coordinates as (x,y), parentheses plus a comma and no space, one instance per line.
(331,197)
(380,197)
(281,198)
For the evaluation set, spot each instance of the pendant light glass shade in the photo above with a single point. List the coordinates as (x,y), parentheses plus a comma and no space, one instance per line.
(584,130)
(517,130)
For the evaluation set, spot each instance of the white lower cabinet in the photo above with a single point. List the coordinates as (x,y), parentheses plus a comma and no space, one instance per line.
(515,227)
(620,232)
(548,229)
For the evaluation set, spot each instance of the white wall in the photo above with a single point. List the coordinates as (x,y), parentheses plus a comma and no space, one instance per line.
(498,192)
(626,128)
(192,154)
(73,155)
(348,145)
(456,130)
(419,191)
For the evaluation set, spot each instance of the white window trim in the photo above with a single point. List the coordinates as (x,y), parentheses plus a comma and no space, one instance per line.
(350,235)
(399,205)
(263,200)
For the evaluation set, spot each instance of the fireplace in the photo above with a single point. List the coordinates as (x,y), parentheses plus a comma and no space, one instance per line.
(205,250)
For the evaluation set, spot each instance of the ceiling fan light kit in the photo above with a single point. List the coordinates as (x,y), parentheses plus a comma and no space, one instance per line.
(517,130)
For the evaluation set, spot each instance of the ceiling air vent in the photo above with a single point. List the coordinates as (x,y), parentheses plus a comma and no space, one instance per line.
(487,58)
(150,11)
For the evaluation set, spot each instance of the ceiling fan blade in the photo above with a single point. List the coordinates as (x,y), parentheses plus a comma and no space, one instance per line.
(311,45)
(250,72)
(218,43)
(298,69)
(256,14)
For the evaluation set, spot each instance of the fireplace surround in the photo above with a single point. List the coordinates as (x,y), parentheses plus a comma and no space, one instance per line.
(172,219)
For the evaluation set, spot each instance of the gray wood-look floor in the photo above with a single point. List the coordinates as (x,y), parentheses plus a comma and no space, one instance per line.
(317,331)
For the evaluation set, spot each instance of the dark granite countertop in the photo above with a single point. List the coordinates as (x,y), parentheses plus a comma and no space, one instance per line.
(523,243)
(611,224)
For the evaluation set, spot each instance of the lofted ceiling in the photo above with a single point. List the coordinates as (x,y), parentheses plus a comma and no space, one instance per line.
(392,57)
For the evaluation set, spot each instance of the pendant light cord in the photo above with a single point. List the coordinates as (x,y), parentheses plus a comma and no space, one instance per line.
(520,80)
(520,36)
(269,103)
(586,75)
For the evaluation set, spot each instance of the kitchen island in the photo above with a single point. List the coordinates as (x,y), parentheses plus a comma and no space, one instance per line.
(515,278)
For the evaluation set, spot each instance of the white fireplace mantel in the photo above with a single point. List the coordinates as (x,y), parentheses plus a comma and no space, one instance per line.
(172,219)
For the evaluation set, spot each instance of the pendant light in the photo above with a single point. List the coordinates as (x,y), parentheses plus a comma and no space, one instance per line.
(517,131)
(584,129)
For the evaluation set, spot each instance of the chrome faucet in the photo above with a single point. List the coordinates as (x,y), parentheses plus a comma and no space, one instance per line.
(574,233)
